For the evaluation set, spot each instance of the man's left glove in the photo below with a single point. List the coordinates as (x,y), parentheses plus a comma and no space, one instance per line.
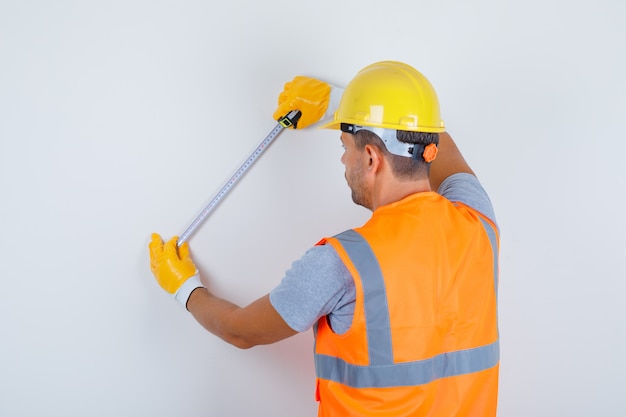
(315,99)
(173,268)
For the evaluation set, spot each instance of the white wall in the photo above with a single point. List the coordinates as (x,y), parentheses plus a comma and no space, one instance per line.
(120,118)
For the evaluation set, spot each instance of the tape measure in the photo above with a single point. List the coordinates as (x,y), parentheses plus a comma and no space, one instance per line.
(291,119)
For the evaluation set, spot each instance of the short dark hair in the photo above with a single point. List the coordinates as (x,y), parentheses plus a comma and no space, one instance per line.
(401,166)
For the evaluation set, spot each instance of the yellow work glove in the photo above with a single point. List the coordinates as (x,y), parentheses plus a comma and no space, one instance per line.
(173,268)
(315,99)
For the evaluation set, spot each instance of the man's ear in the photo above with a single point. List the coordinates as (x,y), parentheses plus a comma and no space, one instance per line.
(374,158)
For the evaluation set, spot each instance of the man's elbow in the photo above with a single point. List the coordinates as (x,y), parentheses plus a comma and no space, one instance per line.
(243,344)
(239,341)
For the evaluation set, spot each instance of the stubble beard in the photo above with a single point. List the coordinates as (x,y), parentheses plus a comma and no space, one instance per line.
(357,186)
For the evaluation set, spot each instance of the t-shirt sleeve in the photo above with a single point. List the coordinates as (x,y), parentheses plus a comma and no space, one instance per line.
(466,188)
(316,285)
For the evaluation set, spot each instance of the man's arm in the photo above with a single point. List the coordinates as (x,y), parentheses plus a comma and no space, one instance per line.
(449,161)
(464,189)
(257,324)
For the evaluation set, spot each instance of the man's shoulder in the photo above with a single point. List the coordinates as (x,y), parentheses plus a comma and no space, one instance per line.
(466,189)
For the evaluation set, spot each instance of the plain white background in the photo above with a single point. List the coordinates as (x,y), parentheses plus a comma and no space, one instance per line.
(120,118)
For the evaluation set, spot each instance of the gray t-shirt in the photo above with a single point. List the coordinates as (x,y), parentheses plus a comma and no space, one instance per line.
(319,284)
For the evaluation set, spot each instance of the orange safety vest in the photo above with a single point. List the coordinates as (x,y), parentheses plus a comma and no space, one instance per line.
(424,336)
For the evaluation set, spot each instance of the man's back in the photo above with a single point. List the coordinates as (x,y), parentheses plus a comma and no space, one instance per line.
(424,326)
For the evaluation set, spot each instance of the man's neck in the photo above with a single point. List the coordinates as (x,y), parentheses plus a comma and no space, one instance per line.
(397,190)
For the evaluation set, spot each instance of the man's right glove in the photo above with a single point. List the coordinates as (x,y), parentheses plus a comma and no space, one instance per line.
(173,268)
(314,98)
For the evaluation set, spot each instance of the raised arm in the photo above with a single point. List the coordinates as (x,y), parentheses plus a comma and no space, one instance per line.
(449,161)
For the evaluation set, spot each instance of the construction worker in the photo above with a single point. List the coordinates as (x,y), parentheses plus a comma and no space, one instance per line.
(404,308)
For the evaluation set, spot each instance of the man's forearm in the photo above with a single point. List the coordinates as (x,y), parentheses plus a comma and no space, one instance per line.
(243,327)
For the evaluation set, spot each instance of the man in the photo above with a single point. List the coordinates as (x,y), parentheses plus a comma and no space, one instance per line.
(404,307)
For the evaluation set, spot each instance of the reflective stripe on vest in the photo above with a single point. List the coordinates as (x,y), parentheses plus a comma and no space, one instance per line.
(494,245)
(382,371)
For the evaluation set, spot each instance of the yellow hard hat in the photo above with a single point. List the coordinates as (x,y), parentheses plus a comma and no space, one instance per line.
(389,95)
